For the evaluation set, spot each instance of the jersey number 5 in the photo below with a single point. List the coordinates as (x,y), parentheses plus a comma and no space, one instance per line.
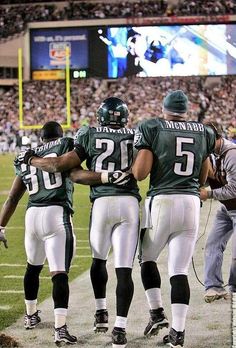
(187,168)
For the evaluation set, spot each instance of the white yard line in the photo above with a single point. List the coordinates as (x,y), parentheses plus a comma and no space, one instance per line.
(81,228)
(5,307)
(11,265)
(19,265)
(83,247)
(21,277)
(11,291)
(22,228)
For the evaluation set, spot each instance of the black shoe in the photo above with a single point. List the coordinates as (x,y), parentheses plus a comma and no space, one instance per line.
(101,321)
(157,321)
(174,339)
(118,336)
(30,321)
(62,335)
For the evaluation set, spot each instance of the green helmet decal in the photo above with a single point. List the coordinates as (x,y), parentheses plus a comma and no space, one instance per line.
(112,111)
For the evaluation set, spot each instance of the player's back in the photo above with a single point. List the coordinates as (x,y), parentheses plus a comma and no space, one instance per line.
(108,149)
(179,148)
(48,188)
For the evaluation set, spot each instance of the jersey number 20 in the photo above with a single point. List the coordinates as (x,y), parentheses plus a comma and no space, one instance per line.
(110,145)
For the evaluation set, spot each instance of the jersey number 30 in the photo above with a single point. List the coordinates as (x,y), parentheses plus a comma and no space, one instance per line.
(50,180)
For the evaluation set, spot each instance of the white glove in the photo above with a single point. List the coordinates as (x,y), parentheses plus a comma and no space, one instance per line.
(3,237)
(117,177)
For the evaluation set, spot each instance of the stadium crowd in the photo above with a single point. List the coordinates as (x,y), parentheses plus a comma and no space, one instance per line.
(13,19)
(210,100)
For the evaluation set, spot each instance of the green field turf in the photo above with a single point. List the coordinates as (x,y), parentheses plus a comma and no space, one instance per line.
(12,304)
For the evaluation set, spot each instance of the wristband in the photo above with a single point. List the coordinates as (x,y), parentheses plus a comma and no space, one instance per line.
(104,178)
(29,160)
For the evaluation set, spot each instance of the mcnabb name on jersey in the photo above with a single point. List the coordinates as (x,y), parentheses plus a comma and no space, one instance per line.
(193,126)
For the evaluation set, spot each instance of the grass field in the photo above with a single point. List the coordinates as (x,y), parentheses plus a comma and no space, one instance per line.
(13,259)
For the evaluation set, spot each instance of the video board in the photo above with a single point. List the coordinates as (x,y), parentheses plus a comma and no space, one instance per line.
(177,50)
(145,51)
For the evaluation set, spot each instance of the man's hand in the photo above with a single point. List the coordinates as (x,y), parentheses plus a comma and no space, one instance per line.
(205,194)
(25,157)
(117,177)
(3,237)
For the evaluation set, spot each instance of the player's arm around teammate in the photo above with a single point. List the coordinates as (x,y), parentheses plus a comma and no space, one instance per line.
(72,161)
(108,150)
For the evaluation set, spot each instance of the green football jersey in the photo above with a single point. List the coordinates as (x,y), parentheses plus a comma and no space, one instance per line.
(108,149)
(178,148)
(48,188)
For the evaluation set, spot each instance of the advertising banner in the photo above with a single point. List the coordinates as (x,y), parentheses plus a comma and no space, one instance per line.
(48,48)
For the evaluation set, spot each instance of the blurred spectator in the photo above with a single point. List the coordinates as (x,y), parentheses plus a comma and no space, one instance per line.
(232,130)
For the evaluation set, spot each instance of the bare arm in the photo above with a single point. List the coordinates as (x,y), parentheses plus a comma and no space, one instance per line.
(85,177)
(17,190)
(211,171)
(205,171)
(143,164)
(57,164)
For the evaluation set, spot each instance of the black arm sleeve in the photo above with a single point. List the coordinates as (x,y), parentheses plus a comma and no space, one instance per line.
(80,152)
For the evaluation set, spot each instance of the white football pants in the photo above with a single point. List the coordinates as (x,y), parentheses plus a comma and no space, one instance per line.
(115,223)
(49,234)
(175,221)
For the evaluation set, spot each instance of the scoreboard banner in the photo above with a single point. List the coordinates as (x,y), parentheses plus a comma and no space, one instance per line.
(48,48)
(49,75)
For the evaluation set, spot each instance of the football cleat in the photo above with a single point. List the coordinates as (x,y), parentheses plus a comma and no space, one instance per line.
(101,321)
(31,321)
(157,321)
(62,336)
(118,336)
(213,294)
(175,339)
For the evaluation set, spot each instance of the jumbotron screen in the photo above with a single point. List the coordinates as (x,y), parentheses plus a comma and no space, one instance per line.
(179,50)
(145,51)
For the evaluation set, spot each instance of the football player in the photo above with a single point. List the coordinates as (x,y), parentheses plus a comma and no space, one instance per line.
(108,150)
(48,228)
(174,152)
